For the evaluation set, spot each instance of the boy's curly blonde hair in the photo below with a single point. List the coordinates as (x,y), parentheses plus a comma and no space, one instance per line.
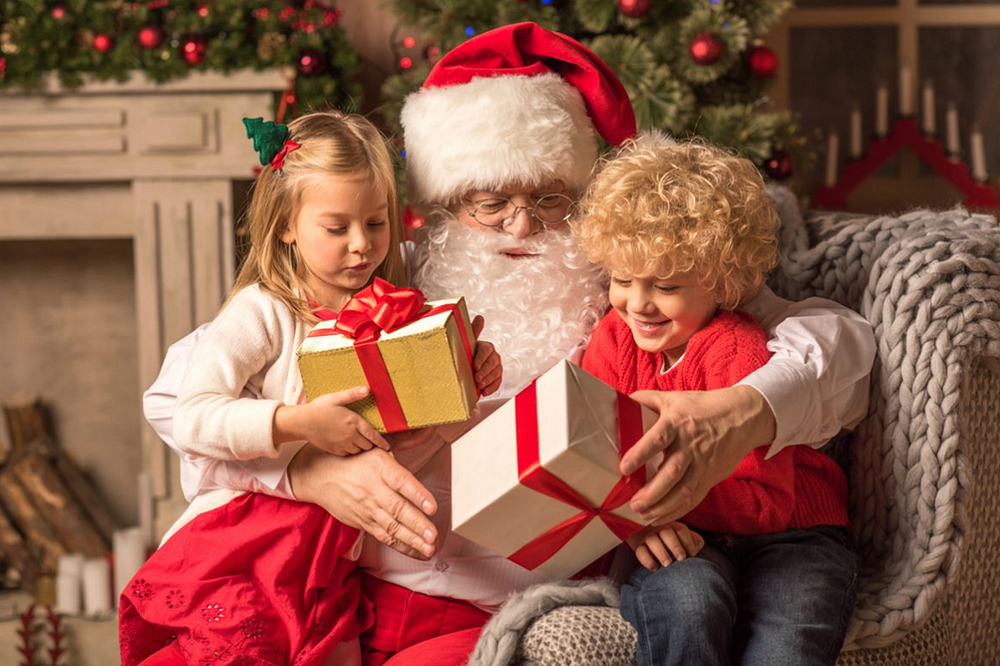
(660,207)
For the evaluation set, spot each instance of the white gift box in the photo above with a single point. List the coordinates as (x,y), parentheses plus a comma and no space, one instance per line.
(576,418)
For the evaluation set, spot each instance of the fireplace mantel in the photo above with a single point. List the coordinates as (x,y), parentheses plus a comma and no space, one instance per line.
(151,163)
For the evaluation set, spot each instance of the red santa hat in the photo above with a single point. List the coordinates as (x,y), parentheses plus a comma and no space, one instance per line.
(518,104)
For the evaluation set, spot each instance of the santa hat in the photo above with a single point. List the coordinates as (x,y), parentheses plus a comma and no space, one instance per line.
(518,104)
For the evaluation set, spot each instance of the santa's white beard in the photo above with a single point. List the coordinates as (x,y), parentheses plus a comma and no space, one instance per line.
(537,309)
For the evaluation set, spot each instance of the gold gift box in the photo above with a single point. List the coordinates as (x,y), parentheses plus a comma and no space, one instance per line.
(425,360)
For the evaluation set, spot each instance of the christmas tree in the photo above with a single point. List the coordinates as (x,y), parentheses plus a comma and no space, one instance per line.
(691,67)
(166,39)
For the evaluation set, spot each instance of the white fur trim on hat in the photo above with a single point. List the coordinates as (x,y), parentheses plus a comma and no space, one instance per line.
(494,132)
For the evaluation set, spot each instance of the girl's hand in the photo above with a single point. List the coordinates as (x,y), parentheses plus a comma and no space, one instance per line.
(663,544)
(487,368)
(328,425)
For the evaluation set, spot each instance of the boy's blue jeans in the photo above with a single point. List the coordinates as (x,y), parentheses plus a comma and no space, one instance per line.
(766,600)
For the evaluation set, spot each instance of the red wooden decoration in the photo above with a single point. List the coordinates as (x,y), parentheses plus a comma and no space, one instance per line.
(906,134)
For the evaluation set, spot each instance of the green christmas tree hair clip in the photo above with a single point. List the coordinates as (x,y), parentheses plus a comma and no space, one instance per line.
(270,140)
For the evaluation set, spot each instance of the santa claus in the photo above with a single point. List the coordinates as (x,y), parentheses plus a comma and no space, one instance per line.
(500,143)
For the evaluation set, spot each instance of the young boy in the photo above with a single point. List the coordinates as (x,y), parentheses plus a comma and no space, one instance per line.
(687,234)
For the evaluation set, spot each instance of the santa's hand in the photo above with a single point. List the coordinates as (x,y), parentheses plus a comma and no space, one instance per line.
(410,439)
(703,436)
(370,491)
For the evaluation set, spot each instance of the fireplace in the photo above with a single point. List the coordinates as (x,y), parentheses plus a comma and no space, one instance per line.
(116,239)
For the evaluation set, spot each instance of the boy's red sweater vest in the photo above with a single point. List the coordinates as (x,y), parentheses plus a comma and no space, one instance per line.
(797,488)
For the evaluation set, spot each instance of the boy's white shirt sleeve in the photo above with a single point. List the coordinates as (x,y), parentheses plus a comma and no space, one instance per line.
(199,474)
(816,382)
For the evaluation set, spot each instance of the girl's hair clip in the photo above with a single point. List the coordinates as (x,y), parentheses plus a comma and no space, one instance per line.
(270,140)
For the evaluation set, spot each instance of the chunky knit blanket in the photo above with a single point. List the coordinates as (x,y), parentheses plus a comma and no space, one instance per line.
(929,282)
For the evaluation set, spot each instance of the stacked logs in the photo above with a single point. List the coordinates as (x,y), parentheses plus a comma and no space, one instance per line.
(48,505)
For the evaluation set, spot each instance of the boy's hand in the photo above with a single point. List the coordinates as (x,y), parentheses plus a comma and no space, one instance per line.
(327,424)
(486,365)
(663,544)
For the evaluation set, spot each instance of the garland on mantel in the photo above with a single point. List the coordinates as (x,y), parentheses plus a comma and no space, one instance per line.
(166,39)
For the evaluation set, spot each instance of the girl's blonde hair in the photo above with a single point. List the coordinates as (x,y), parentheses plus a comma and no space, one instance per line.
(659,206)
(331,143)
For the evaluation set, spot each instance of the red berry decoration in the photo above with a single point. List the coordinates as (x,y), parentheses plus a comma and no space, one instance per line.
(150,37)
(779,166)
(763,62)
(58,12)
(705,48)
(193,50)
(634,8)
(103,43)
(311,62)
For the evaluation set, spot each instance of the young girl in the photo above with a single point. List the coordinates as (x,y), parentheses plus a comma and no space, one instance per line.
(688,235)
(245,577)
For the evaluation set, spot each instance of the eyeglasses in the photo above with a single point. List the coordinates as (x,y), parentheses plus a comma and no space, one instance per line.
(497,212)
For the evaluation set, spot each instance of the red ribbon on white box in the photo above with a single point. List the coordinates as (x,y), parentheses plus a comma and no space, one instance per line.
(531,474)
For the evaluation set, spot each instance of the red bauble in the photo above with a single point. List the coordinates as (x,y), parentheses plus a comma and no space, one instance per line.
(332,16)
(705,48)
(103,43)
(634,8)
(763,62)
(202,9)
(311,62)
(432,53)
(150,37)
(779,166)
(193,50)
(58,12)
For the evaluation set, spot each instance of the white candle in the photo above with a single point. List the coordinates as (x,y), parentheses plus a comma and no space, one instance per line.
(96,586)
(856,148)
(951,120)
(69,584)
(832,161)
(130,553)
(978,156)
(930,124)
(905,93)
(145,491)
(882,112)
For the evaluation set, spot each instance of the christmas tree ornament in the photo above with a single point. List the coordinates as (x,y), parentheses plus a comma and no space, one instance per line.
(779,165)
(705,48)
(193,50)
(432,53)
(202,9)
(763,62)
(3,68)
(311,62)
(261,13)
(58,12)
(331,17)
(103,43)
(634,8)
(150,37)
(270,45)
(409,42)
(406,62)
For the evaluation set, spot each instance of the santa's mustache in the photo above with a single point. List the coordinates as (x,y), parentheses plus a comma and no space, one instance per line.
(537,308)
